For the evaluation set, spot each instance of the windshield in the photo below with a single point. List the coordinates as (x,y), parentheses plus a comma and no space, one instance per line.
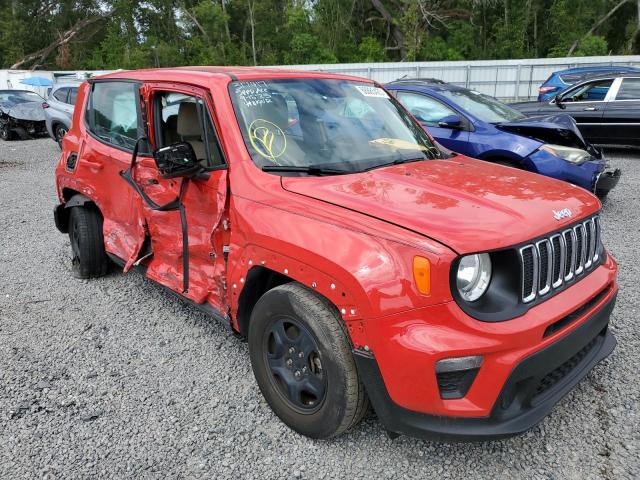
(481,106)
(19,96)
(328,124)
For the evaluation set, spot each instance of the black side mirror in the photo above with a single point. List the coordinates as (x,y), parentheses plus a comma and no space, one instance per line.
(177,160)
(558,100)
(451,121)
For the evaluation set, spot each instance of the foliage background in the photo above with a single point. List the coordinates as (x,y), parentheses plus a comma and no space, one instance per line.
(109,34)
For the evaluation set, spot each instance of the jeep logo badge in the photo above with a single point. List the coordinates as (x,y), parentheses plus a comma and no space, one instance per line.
(560,214)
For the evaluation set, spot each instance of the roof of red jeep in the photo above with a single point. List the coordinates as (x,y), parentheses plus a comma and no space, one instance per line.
(201,74)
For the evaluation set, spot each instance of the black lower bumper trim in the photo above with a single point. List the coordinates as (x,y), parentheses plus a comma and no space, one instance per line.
(607,180)
(526,398)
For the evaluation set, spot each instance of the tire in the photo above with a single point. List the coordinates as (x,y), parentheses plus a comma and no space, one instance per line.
(506,163)
(59,132)
(89,259)
(5,133)
(305,321)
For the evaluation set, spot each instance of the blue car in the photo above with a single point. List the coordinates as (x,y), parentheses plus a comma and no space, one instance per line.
(480,126)
(562,79)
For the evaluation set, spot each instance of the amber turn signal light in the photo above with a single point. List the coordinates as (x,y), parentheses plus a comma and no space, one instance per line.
(422,274)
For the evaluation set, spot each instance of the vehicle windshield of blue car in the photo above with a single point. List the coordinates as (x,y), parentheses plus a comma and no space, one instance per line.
(317,126)
(483,107)
(19,96)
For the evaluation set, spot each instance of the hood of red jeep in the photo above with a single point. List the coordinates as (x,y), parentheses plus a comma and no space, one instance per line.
(466,204)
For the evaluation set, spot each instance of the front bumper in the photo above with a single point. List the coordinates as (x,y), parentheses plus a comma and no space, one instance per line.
(606,181)
(27,128)
(531,390)
(592,175)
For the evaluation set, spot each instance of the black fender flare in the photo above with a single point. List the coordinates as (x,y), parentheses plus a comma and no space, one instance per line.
(78,200)
(61,211)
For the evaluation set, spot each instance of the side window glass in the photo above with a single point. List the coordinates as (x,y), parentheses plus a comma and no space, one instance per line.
(589,92)
(185,118)
(629,90)
(113,113)
(427,110)
(73,94)
(61,94)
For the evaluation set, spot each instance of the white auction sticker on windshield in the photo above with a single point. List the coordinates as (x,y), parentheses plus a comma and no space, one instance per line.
(369,91)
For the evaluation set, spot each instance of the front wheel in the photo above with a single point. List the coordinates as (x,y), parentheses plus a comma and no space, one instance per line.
(5,132)
(506,163)
(302,361)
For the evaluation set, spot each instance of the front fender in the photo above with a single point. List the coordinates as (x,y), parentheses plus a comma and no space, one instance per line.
(363,275)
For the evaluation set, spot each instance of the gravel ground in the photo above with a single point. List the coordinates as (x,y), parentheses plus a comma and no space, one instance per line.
(115,378)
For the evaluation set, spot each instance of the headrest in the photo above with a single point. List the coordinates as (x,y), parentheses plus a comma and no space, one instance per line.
(172,122)
(188,122)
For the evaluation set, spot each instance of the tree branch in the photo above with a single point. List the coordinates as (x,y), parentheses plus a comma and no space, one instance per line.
(595,26)
(41,55)
(395,31)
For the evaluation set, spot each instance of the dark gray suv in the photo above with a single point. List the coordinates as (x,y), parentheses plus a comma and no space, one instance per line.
(59,109)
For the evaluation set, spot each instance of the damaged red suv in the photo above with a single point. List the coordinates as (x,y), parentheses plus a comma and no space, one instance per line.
(362,263)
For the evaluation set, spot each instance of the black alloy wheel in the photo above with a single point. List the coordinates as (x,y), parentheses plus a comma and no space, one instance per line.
(302,359)
(293,357)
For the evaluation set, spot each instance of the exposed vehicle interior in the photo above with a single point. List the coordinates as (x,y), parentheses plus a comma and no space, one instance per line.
(589,92)
(184,118)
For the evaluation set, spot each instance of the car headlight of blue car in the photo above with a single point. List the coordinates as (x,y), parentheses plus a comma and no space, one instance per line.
(576,156)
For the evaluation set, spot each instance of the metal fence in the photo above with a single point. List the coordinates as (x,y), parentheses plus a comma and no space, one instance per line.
(504,79)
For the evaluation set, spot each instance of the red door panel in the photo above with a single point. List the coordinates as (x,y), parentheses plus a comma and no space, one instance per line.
(100,165)
(204,201)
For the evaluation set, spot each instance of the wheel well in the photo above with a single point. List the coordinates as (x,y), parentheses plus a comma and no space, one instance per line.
(68,193)
(72,198)
(55,124)
(503,161)
(259,281)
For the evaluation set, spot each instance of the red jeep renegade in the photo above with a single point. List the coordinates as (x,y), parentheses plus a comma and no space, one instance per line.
(362,262)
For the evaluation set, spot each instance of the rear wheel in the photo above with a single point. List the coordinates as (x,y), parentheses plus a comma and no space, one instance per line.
(89,258)
(302,361)
(59,133)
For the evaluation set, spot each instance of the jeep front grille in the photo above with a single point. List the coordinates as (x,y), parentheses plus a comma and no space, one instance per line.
(558,259)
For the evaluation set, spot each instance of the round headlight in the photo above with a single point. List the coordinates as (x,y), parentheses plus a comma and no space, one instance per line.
(474,274)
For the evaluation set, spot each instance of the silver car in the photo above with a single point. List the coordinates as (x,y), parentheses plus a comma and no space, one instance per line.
(59,109)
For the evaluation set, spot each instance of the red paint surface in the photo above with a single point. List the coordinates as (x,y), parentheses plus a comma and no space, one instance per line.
(353,237)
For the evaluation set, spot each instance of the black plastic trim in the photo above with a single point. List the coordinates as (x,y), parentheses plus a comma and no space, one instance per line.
(456,384)
(607,180)
(577,313)
(523,408)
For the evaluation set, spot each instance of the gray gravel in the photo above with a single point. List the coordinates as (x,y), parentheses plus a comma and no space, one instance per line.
(115,378)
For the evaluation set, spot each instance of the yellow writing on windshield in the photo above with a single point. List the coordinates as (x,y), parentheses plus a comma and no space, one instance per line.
(267,139)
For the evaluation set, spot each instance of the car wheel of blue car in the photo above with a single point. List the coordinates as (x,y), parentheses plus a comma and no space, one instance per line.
(5,132)
(506,163)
